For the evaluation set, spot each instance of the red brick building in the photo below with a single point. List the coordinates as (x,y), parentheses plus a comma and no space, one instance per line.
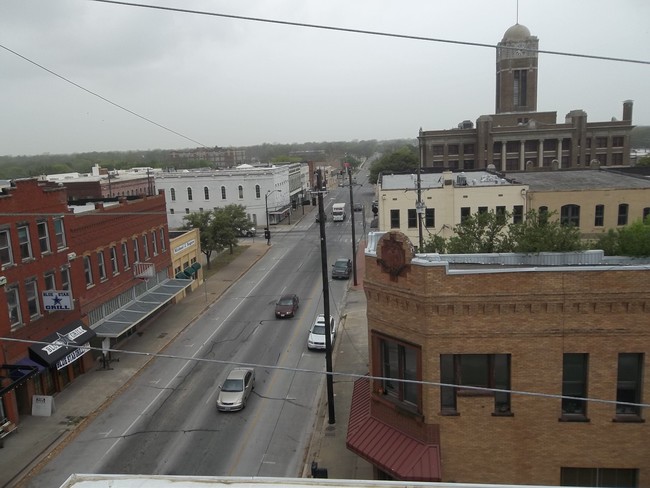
(66,275)
(510,371)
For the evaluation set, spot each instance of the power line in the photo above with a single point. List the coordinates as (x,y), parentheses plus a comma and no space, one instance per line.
(67,80)
(368,32)
(341,374)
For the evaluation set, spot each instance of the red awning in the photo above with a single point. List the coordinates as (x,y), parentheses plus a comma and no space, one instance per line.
(391,450)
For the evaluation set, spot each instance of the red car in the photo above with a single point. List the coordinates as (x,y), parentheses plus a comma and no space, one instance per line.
(286,306)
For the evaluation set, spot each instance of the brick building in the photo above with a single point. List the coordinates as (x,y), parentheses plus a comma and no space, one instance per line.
(523,369)
(518,137)
(72,278)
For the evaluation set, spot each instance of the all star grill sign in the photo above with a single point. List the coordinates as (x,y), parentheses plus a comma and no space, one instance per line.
(57,300)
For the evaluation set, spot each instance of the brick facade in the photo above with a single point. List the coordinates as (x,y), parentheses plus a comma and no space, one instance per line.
(535,315)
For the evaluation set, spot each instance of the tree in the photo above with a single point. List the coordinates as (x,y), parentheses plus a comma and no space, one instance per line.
(482,232)
(207,236)
(405,158)
(644,161)
(632,240)
(544,233)
(435,243)
(231,219)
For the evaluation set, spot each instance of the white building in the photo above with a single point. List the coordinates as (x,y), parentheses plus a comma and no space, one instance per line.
(260,189)
(448,198)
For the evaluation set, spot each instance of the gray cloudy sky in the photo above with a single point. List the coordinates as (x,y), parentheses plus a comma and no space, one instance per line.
(232,82)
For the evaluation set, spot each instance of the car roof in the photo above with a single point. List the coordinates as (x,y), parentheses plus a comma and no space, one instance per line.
(342,260)
(238,373)
(290,295)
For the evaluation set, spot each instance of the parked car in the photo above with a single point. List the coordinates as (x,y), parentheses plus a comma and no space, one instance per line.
(341,268)
(287,306)
(250,232)
(236,389)
(316,339)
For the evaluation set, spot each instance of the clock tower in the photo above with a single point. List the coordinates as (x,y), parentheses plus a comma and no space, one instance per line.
(517,71)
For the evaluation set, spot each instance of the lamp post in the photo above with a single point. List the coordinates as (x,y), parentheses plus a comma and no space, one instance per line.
(267,231)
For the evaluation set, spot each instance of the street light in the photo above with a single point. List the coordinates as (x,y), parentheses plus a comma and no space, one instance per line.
(267,232)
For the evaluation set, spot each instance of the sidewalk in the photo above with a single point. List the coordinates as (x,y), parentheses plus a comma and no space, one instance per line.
(38,438)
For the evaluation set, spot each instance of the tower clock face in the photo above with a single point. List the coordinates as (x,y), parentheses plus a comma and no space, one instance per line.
(519,49)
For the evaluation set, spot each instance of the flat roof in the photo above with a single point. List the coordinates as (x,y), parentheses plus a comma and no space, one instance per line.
(437,180)
(580,179)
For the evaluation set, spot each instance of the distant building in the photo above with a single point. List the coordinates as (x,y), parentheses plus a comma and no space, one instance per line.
(219,157)
(519,138)
(504,368)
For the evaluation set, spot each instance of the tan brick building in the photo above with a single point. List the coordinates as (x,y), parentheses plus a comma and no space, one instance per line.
(513,371)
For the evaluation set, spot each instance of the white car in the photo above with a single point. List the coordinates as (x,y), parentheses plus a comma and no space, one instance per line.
(316,338)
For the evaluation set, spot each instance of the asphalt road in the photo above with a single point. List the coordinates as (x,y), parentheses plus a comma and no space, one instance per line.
(166,421)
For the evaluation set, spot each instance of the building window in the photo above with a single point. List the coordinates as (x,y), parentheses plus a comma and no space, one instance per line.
(145,246)
(31,287)
(430,217)
(623,210)
(43,237)
(394,218)
(88,271)
(59,233)
(240,189)
(610,477)
(570,215)
(189,194)
(482,210)
(542,215)
(628,383)
(438,149)
(171,211)
(206,193)
(65,278)
(154,243)
(501,214)
(518,214)
(125,256)
(24,242)
(477,371)
(114,269)
(102,265)
(13,305)
(412,218)
(601,142)
(574,384)
(50,281)
(136,251)
(187,211)
(452,149)
(646,213)
(617,141)
(468,148)
(400,361)
(163,245)
(6,255)
(520,88)
(465,213)
(599,216)
(223,192)
(172,193)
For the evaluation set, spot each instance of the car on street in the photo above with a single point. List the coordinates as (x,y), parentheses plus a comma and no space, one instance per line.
(341,269)
(318,217)
(287,306)
(250,232)
(358,207)
(235,391)
(316,339)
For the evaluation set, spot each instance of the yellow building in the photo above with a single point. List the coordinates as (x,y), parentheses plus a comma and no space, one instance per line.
(185,248)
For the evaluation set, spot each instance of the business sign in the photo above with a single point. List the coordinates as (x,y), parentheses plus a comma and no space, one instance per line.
(185,245)
(57,300)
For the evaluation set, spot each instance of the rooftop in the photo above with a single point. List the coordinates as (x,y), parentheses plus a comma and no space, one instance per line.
(579,179)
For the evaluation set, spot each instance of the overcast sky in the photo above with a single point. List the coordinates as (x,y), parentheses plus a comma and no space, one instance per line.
(228,82)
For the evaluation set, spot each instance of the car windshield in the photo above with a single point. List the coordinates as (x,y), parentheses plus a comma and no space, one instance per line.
(233,385)
(341,264)
(319,329)
(285,301)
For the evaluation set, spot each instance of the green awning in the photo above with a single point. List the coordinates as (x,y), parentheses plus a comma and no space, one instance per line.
(196,266)
(181,276)
(189,271)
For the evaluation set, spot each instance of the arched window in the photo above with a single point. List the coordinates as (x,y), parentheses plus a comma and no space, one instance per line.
(570,215)
(258,191)
(172,192)
(223,192)
(241,191)
(189,193)
(206,193)
(542,214)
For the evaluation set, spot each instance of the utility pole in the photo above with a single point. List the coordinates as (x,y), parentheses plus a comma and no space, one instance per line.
(354,241)
(326,300)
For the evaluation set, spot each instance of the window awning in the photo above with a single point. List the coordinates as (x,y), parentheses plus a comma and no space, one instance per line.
(189,271)
(135,312)
(63,347)
(16,374)
(389,449)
